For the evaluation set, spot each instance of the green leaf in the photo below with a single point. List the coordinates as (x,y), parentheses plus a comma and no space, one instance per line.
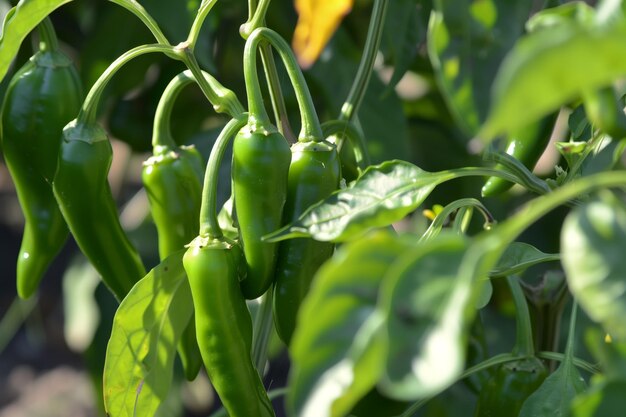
(593,239)
(339,309)
(468,39)
(520,256)
(18,23)
(551,67)
(141,351)
(382,195)
(575,11)
(427,311)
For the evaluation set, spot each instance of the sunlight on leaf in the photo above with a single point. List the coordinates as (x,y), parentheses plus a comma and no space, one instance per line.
(140,355)
(318,20)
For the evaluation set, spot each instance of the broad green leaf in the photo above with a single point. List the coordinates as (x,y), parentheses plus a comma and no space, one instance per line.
(605,398)
(520,256)
(382,195)
(317,21)
(592,245)
(341,301)
(426,308)
(18,23)
(551,67)
(468,39)
(141,350)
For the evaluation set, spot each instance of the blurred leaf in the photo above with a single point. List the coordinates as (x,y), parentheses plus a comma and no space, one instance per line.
(425,307)
(468,40)
(382,195)
(317,21)
(548,68)
(18,23)
(605,398)
(341,301)
(593,241)
(141,351)
(520,256)
(405,29)
(575,11)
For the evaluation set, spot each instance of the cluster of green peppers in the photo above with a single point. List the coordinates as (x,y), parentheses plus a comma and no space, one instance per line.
(60,167)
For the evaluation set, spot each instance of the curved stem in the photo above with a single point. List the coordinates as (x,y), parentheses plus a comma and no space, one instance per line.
(222,99)
(137,9)
(524,335)
(209,225)
(48,36)
(276,93)
(372,43)
(88,112)
(256,17)
(311,129)
(529,180)
(161,131)
(262,331)
(196,26)
(579,363)
(347,130)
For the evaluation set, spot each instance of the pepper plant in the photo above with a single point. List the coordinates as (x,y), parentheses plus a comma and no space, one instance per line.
(346,244)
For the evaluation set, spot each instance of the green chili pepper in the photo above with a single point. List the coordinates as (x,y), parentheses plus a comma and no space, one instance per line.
(260,168)
(84,196)
(41,98)
(172,178)
(224,327)
(527,146)
(513,382)
(314,173)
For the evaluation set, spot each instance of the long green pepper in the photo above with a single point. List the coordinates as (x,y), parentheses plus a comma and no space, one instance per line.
(214,266)
(172,177)
(41,98)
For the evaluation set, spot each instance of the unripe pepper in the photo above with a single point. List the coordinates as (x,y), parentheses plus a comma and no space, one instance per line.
(84,196)
(526,145)
(41,98)
(214,267)
(314,173)
(260,167)
(513,382)
(172,177)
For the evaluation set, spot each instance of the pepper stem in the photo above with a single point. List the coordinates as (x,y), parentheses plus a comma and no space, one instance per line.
(161,131)
(209,225)
(374,34)
(524,334)
(137,9)
(48,37)
(89,110)
(311,129)
(347,130)
(196,26)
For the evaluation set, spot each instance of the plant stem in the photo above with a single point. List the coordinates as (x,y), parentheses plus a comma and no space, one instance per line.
(161,132)
(196,26)
(262,332)
(89,110)
(48,36)
(311,128)
(209,225)
(137,9)
(374,34)
(524,335)
(347,130)
(222,99)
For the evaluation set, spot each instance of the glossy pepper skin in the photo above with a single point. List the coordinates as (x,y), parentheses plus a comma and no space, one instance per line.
(84,196)
(259,171)
(173,181)
(42,97)
(314,173)
(512,383)
(527,146)
(224,326)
